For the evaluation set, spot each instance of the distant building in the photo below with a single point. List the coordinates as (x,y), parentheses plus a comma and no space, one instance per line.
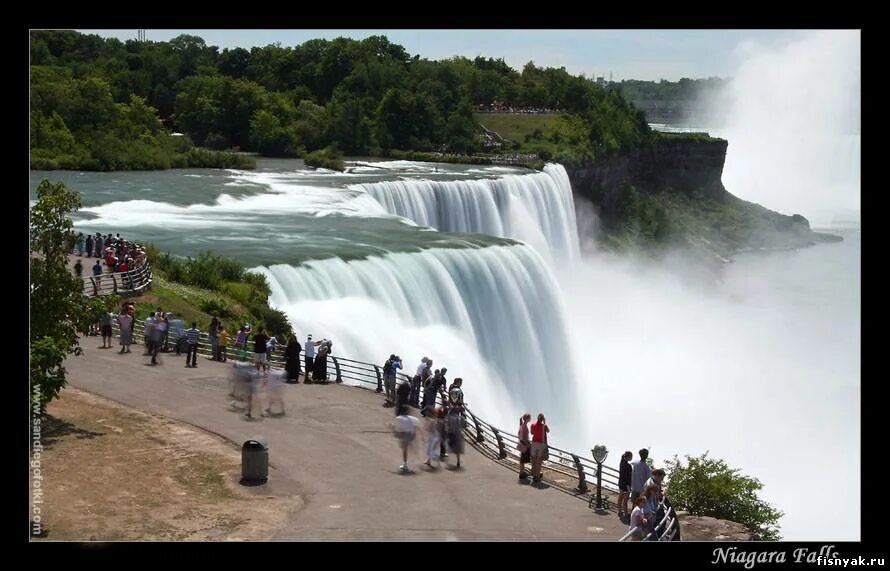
(601,80)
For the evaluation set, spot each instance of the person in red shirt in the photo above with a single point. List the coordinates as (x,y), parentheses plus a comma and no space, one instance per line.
(540,451)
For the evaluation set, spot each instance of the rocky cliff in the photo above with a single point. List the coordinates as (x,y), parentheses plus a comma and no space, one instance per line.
(669,193)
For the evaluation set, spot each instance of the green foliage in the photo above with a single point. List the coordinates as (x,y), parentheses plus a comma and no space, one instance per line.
(57,309)
(327,158)
(218,307)
(709,487)
(111,98)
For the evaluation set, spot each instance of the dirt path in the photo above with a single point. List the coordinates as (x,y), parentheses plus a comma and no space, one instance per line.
(115,473)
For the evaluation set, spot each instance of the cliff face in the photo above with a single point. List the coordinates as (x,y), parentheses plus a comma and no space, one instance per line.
(669,193)
(691,167)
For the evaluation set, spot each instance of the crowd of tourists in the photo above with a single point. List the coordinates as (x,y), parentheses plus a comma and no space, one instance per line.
(118,254)
(643,486)
(254,384)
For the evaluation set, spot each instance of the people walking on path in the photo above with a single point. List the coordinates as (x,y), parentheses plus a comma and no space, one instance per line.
(524,446)
(435,426)
(105,321)
(406,428)
(540,450)
(241,344)
(192,335)
(260,358)
(125,322)
(78,268)
(274,393)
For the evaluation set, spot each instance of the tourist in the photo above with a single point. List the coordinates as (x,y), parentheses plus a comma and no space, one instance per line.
(78,244)
(455,422)
(624,475)
(652,503)
(260,358)
(213,332)
(78,268)
(540,451)
(292,360)
(155,338)
(105,321)
(389,377)
(125,322)
(435,425)
(320,372)
(164,326)
(310,358)
(241,344)
(223,340)
(89,245)
(100,245)
(275,392)
(405,428)
(403,394)
(251,379)
(97,269)
(432,384)
(192,335)
(640,473)
(456,395)
(656,480)
(524,446)
(414,397)
(638,522)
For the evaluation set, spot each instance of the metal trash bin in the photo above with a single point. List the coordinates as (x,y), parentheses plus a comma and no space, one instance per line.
(254,462)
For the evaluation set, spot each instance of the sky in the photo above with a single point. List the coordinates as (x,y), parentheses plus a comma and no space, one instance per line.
(626,54)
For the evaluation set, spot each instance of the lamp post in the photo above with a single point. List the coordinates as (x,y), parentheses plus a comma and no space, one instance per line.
(599,456)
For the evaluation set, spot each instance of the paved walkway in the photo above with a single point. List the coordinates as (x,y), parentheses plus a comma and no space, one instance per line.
(335,450)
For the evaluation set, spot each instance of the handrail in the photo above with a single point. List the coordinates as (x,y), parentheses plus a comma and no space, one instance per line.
(132,282)
(667,529)
(497,443)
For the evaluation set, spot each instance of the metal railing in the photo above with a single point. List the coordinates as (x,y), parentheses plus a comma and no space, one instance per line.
(667,528)
(133,282)
(572,473)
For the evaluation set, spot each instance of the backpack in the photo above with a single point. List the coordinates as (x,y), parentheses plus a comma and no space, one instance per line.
(387,367)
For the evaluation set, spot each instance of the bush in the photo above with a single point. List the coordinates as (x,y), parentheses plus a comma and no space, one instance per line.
(327,158)
(709,487)
(217,307)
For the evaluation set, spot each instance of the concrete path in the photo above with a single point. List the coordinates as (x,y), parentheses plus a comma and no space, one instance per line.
(334,449)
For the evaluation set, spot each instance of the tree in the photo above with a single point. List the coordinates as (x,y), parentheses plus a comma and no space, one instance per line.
(58,310)
(709,487)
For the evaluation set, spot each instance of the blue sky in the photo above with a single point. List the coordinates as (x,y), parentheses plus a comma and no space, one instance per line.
(627,54)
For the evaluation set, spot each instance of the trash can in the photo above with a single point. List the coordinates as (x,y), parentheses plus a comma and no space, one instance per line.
(254,462)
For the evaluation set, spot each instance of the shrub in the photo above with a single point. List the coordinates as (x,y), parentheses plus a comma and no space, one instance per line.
(709,487)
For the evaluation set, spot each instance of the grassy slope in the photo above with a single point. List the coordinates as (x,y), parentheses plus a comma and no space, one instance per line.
(185,303)
(517,127)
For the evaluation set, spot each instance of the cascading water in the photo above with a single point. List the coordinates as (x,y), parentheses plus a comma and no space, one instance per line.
(493,315)
(535,208)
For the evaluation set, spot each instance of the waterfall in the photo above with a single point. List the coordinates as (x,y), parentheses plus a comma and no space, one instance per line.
(492,315)
(535,208)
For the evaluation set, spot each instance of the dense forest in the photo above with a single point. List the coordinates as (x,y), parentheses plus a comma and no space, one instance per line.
(104,104)
(684,90)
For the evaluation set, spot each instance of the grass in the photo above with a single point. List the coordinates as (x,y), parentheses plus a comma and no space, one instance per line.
(185,303)
(517,127)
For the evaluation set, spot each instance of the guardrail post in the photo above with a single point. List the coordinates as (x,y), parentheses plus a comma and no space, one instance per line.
(95,287)
(582,479)
(502,453)
(337,367)
(379,379)
(114,281)
(479,436)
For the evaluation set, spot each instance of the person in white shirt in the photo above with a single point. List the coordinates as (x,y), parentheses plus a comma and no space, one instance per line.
(406,428)
(638,519)
(309,348)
